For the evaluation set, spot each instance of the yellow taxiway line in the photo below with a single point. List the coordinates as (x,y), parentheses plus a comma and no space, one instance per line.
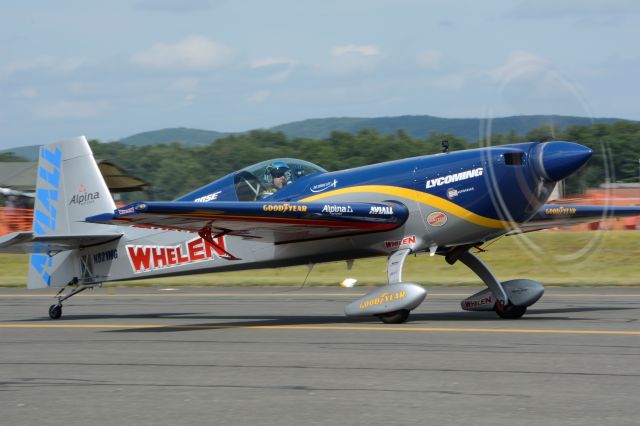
(319,328)
(288,293)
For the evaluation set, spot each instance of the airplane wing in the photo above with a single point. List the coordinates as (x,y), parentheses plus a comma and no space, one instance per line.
(552,215)
(276,222)
(28,242)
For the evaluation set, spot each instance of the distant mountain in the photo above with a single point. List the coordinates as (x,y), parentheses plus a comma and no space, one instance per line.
(186,136)
(27,153)
(418,126)
(423,125)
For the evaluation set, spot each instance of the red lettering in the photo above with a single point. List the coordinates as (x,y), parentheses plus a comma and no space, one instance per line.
(220,243)
(140,257)
(409,240)
(181,257)
(196,249)
(171,256)
(159,257)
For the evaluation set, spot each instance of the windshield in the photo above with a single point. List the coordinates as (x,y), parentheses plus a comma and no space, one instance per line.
(260,181)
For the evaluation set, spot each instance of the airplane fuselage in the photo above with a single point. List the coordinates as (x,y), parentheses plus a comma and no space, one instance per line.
(456,198)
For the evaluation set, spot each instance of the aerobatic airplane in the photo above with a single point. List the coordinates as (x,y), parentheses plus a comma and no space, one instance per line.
(288,212)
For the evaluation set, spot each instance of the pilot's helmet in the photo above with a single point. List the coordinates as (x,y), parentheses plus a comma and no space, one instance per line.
(277,169)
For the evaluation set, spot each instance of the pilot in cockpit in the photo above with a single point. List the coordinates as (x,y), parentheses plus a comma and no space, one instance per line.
(277,175)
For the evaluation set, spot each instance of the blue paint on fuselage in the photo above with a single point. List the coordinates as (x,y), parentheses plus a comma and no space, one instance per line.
(485,181)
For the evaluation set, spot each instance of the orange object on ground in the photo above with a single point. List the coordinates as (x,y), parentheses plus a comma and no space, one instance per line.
(12,219)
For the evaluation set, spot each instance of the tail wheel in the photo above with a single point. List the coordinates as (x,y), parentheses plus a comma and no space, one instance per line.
(55,311)
(395,317)
(510,311)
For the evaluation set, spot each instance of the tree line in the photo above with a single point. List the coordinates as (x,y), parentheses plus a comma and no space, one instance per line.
(173,169)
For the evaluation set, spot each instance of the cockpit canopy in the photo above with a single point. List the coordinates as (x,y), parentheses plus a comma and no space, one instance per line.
(262,180)
(256,182)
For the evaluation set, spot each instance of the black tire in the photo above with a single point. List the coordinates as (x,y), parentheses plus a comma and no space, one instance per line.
(511,311)
(395,317)
(55,311)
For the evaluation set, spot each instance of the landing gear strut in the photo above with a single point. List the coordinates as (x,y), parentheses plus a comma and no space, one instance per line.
(504,307)
(55,311)
(393,302)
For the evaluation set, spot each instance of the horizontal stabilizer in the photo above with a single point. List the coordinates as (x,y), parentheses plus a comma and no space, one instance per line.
(552,215)
(276,222)
(28,242)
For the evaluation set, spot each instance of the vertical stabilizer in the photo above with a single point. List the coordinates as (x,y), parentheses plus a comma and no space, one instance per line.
(69,188)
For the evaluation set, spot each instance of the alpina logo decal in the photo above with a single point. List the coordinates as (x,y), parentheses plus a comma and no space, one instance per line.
(446,180)
(335,209)
(437,219)
(324,186)
(82,197)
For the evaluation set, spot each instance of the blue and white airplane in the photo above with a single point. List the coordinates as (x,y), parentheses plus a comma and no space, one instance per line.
(288,212)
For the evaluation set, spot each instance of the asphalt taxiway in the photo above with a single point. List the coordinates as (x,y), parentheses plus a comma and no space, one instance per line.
(277,356)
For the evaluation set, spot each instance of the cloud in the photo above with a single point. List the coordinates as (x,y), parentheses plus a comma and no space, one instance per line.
(449,82)
(354,58)
(191,53)
(604,12)
(173,6)
(25,93)
(429,59)
(269,62)
(280,68)
(259,97)
(352,49)
(70,109)
(520,66)
(185,84)
(527,83)
(49,64)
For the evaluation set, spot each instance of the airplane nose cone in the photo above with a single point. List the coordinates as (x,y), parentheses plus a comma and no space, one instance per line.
(556,160)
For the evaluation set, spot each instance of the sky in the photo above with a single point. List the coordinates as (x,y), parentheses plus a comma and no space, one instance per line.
(108,70)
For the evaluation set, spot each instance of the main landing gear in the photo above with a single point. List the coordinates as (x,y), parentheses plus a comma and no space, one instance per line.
(508,299)
(55,310)
(395,317)
(509,311)
(393,302)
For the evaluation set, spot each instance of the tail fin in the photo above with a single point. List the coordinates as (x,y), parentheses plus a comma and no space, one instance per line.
(69,188)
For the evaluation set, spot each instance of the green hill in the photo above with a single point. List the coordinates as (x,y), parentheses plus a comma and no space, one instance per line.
(419,126)
(26,153)
(186,136)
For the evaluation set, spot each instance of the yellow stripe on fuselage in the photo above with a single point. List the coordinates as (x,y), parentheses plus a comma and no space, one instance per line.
(421,197)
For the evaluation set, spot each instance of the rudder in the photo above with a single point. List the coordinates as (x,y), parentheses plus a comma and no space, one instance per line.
(69,188)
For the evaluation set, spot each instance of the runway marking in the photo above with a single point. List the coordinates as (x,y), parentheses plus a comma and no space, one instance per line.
(294,294)
(17,296)
(320,328)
